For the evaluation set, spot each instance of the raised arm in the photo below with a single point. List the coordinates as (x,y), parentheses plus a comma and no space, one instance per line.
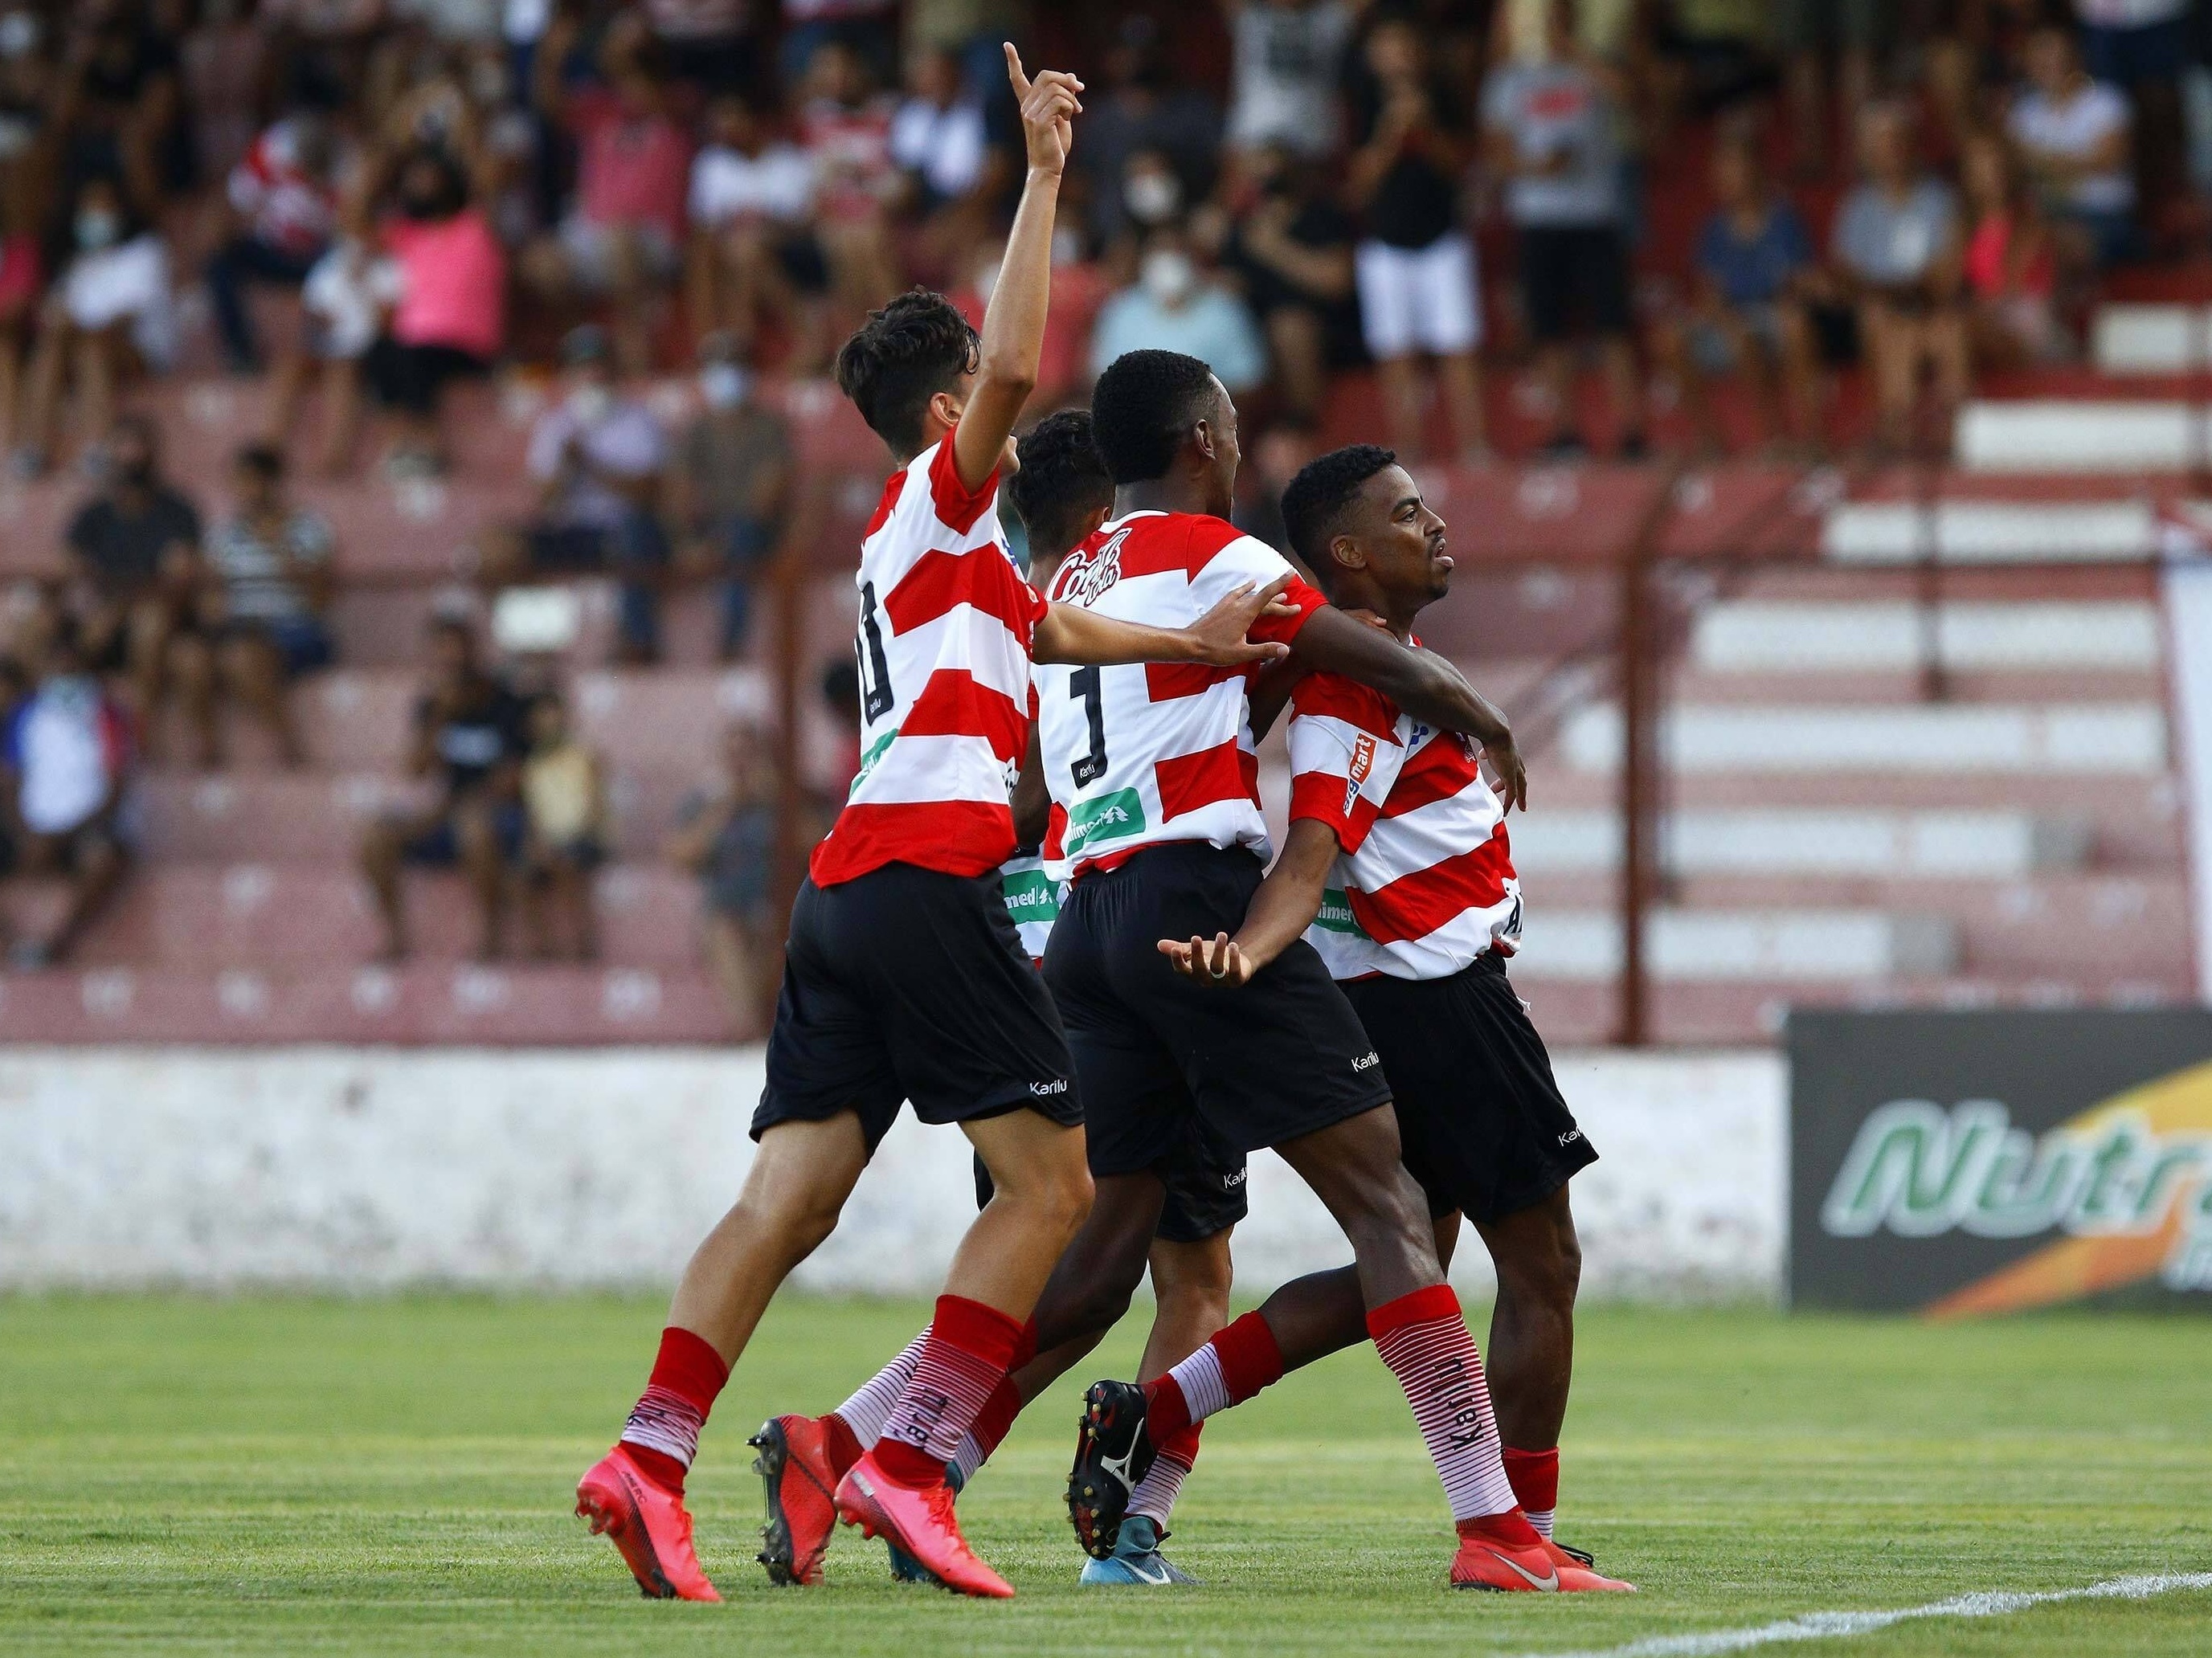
(1281,910)
(1013,322)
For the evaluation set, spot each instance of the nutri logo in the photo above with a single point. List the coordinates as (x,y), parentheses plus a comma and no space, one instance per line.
(1088,572)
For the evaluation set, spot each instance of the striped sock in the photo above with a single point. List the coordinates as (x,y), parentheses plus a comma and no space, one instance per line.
(969,1349)
(1155,1494)
(1423,1338)
(1240,1359)
(663,1430)
(1536,1476)
(872,1402)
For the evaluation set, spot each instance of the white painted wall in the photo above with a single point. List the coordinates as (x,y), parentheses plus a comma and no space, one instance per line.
(369,1168)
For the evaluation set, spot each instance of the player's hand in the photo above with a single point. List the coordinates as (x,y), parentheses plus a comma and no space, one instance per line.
(1512,775)
(1049,105)
(1220,632)
(1222,963)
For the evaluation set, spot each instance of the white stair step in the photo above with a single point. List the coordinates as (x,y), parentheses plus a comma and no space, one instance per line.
(1959,845)
(2079,436)
(2151,339)
(1756,636)
(1990,531)
(2110,738)
(1689,946)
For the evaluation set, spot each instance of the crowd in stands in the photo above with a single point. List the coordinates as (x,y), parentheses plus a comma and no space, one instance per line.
(1915,193)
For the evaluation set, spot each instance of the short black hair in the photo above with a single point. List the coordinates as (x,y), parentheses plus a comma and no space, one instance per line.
(264,460)
(903,356)
(1063,480)
(1142,406)
(1313,502)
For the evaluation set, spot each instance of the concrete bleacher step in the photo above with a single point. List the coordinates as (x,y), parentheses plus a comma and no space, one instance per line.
(1879,532)
(1701,740)
(1780,636)
(422,1003)
(1972,845)
(2110,436)
(1689,945)
(2151,339)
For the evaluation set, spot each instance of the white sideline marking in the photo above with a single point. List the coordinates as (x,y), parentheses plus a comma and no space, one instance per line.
(1823,1626)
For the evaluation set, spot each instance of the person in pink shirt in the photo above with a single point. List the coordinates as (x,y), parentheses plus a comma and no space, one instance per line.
(2009,264)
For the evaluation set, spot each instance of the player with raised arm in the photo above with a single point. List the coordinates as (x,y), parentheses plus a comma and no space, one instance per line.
(1156,823)
(904,980)
(1398,869)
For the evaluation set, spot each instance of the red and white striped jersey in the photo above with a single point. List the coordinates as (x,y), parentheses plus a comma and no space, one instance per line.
(944,648)
(1424,880)
(1152,752)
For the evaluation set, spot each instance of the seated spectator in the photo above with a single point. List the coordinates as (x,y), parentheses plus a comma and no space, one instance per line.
(66,753)
(1746,312)
(134,550)
(468,737)
(2143,47)
(597,456)
(110,310)
(345,302)
(845,125)
(622,239)
(121,108)
(726,836)
(270,578)
(1286,56)
(1553,129)
(753,259)
(2073,135)
(1292,251)
(731,486)
(1135,104)
(286,204)
(449,319)
(1896,250)
(22,281)
(1415,267)
(866,28)
(564,797)
(1175,307)
(939,143)
(2010,272)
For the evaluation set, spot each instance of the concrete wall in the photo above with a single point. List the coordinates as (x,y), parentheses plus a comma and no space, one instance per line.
(364,1169)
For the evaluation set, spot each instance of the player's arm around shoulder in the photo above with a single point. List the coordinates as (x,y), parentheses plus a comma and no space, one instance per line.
(1069,633)
(1281,910)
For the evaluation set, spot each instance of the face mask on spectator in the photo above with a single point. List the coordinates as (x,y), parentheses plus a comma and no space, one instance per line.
(1151,198)
(590,403)
(96,228)
(723,385)
(1169,276)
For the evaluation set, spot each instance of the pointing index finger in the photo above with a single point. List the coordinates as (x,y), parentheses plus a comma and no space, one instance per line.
(1014,75)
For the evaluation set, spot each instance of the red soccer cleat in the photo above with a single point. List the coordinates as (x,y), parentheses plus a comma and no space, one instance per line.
(918,1519)
(648,1523)
(1487,1562)
(793,1463)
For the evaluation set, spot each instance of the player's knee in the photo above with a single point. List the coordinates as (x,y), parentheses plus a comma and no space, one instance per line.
(1196,1273)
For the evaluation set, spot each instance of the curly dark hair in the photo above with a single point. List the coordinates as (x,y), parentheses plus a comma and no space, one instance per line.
(1063,480)
(1314,502)
(1142,406)
(904,354)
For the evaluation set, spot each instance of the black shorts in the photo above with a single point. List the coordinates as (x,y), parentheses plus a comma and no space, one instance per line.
(1566,268)
(906,984)
(413,378)
(1258,1066)
(1481,1119)
(1206,1183)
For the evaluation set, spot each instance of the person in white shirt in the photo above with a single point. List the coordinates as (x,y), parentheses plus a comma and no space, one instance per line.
(753,259)
(2076,135)
(1287,55)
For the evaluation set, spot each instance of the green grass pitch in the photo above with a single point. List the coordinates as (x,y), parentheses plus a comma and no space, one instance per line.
(393,1476)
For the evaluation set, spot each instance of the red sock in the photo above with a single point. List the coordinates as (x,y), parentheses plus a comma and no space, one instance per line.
(997,1416)
(1536,1476)
(663,1430)
(970,1348)
(842,1444)
(1240,1360)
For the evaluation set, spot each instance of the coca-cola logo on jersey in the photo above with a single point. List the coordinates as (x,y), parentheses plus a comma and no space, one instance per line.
(1090,571)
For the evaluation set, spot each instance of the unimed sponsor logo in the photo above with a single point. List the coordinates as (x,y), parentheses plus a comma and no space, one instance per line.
(877,750)
(1335,914)
(1032,896)
(1110,816)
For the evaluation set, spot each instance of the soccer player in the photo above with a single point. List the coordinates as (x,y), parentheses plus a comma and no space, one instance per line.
(1397,869)
(1156,823)
(1063,492)
(904,977)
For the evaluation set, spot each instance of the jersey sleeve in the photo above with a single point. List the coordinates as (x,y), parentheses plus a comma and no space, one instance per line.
(954,502)
(1345,756)
(1246,558)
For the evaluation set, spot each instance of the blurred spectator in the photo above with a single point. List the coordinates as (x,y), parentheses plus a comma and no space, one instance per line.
(2010,268)
(22,279)
(469,734)
(753,257)
(1079,289)
(110,309)
(1288,55)
(1133,106)
(67,755)
(730,487)
(565,797)
(136,550)
(2142,46)
(938,141)
(120,112)
(1553,134)
(224,62)
(1416,268)
(862,28)
(623,237)
(725,836)
(347,294)
(1174,306)
(2074,133)
(1282,449)
(1747,314)
(1292,252)
(846,125)
(286,205)
(712,44)
(597,456)
(270,579)
(1896,247)
(449,318)
(1806,32)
